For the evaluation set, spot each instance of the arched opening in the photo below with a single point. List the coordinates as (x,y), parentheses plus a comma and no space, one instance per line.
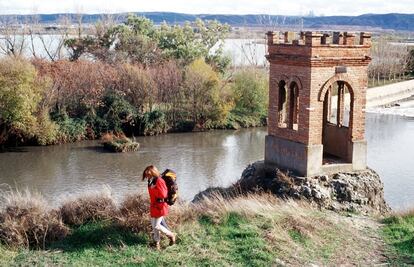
(293,106)
(337,123)
(282,105)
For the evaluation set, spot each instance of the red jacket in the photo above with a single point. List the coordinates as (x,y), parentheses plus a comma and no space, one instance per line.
(158,191)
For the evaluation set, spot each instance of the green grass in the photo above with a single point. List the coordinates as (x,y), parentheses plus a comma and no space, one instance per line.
(399,234)
(298,237)
(233,241)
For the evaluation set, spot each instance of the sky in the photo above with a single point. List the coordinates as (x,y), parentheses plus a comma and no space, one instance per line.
(274,7)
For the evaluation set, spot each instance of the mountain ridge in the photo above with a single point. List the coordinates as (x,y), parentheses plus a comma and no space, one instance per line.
(390,21)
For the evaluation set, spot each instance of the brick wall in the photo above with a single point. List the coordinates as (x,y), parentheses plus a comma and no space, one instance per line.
(314,66)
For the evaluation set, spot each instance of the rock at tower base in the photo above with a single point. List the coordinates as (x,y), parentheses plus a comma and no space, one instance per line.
(357,191)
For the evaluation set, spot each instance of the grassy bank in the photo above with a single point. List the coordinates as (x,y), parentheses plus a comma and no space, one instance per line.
(399,235)
(253,230)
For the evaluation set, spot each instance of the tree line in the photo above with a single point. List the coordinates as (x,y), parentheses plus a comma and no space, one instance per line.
(390,62)
(134,78)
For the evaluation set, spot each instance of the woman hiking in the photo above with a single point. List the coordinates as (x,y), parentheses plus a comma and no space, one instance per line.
(158,192)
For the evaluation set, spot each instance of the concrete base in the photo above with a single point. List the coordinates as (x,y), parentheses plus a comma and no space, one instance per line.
(306,160)
(336,168)
(300,158)
(359,155)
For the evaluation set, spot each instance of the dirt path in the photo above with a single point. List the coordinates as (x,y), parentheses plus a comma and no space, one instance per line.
(368,241)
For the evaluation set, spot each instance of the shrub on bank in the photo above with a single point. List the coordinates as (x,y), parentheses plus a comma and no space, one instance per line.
(70,129)
(27,221)
(250,89)
(20,95)
(47,131)
(236,120)
(116,115)
(89,207)
(133,213)
(154,123)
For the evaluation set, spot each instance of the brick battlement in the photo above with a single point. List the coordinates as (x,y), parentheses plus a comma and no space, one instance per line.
(312,49)
(336,39)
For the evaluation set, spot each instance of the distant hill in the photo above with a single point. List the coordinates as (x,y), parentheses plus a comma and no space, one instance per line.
(392,21)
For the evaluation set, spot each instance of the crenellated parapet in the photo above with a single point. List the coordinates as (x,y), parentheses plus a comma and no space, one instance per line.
(319,38)
(314,48)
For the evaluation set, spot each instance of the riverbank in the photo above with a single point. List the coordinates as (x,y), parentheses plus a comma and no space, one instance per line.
(383,95)
(247,230)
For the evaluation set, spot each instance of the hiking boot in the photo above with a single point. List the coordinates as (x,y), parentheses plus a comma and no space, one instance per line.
(157,246)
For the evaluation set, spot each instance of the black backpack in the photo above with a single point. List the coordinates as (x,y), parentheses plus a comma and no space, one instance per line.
(170,178)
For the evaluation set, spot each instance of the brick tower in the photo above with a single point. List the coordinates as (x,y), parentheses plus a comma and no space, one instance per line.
(317,101)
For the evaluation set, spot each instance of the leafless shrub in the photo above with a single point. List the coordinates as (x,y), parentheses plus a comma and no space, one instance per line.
(91,206)
(138,86)
(13,37)
(76,84)
(134,213)
(27,222)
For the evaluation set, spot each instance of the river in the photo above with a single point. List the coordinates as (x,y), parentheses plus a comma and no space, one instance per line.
(241,51)
(202,160)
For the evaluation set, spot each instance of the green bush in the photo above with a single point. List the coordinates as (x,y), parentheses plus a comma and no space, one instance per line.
(154,123)
(184,126)
(250,89)
(20,94)
(208,102)
(70,129)
(47,132)
(238,120)
(115,115)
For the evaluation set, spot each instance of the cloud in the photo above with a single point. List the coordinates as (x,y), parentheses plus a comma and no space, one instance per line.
(280,7)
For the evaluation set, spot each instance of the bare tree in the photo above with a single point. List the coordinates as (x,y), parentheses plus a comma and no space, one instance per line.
(13,37)
(389,61)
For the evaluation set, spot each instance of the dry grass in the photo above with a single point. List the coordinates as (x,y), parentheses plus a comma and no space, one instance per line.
(90,206)
(134,213)
(404,213)
(26,221)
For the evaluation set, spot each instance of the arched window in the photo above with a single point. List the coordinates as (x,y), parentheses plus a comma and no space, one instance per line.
(293,106)
(338,104)
(282,105)
(337,122)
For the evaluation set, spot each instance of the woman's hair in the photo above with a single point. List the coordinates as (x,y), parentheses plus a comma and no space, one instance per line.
(150,171)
